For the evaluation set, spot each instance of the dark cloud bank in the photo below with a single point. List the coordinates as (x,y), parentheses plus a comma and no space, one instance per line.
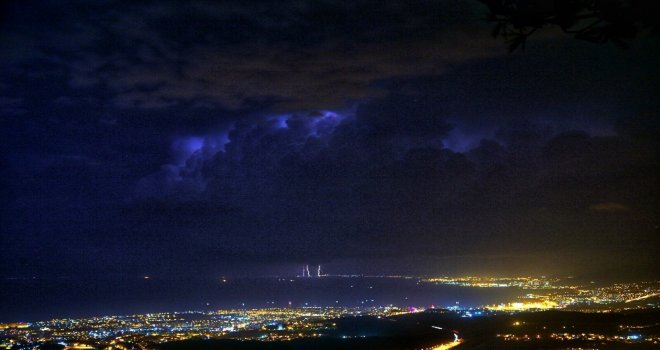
(365,188)
(229,138)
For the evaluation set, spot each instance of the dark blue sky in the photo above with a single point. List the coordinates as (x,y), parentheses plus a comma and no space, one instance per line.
(228,138)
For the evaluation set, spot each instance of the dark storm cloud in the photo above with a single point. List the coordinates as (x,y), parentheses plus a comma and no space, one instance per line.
(298,55)
(172,136)
(531,189)
(11,106)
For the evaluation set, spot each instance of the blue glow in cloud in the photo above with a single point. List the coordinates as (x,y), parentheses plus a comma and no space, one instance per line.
(326,123)
(319,123)
(185,147)
(461,141)
(205,146)
(279,120)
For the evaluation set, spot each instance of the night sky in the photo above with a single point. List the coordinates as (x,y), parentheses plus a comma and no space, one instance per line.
(252,137)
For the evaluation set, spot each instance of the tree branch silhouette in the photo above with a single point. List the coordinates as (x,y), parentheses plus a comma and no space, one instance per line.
(596,21)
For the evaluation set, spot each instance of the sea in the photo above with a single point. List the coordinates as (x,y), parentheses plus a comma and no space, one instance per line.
(36,299)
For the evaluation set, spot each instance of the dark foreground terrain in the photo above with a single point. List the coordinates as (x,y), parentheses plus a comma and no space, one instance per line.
(349,333)
(530,330)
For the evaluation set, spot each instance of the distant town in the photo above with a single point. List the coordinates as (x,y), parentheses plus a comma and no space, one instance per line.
(550,293)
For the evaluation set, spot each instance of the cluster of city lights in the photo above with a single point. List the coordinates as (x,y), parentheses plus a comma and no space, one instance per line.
(145,330)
